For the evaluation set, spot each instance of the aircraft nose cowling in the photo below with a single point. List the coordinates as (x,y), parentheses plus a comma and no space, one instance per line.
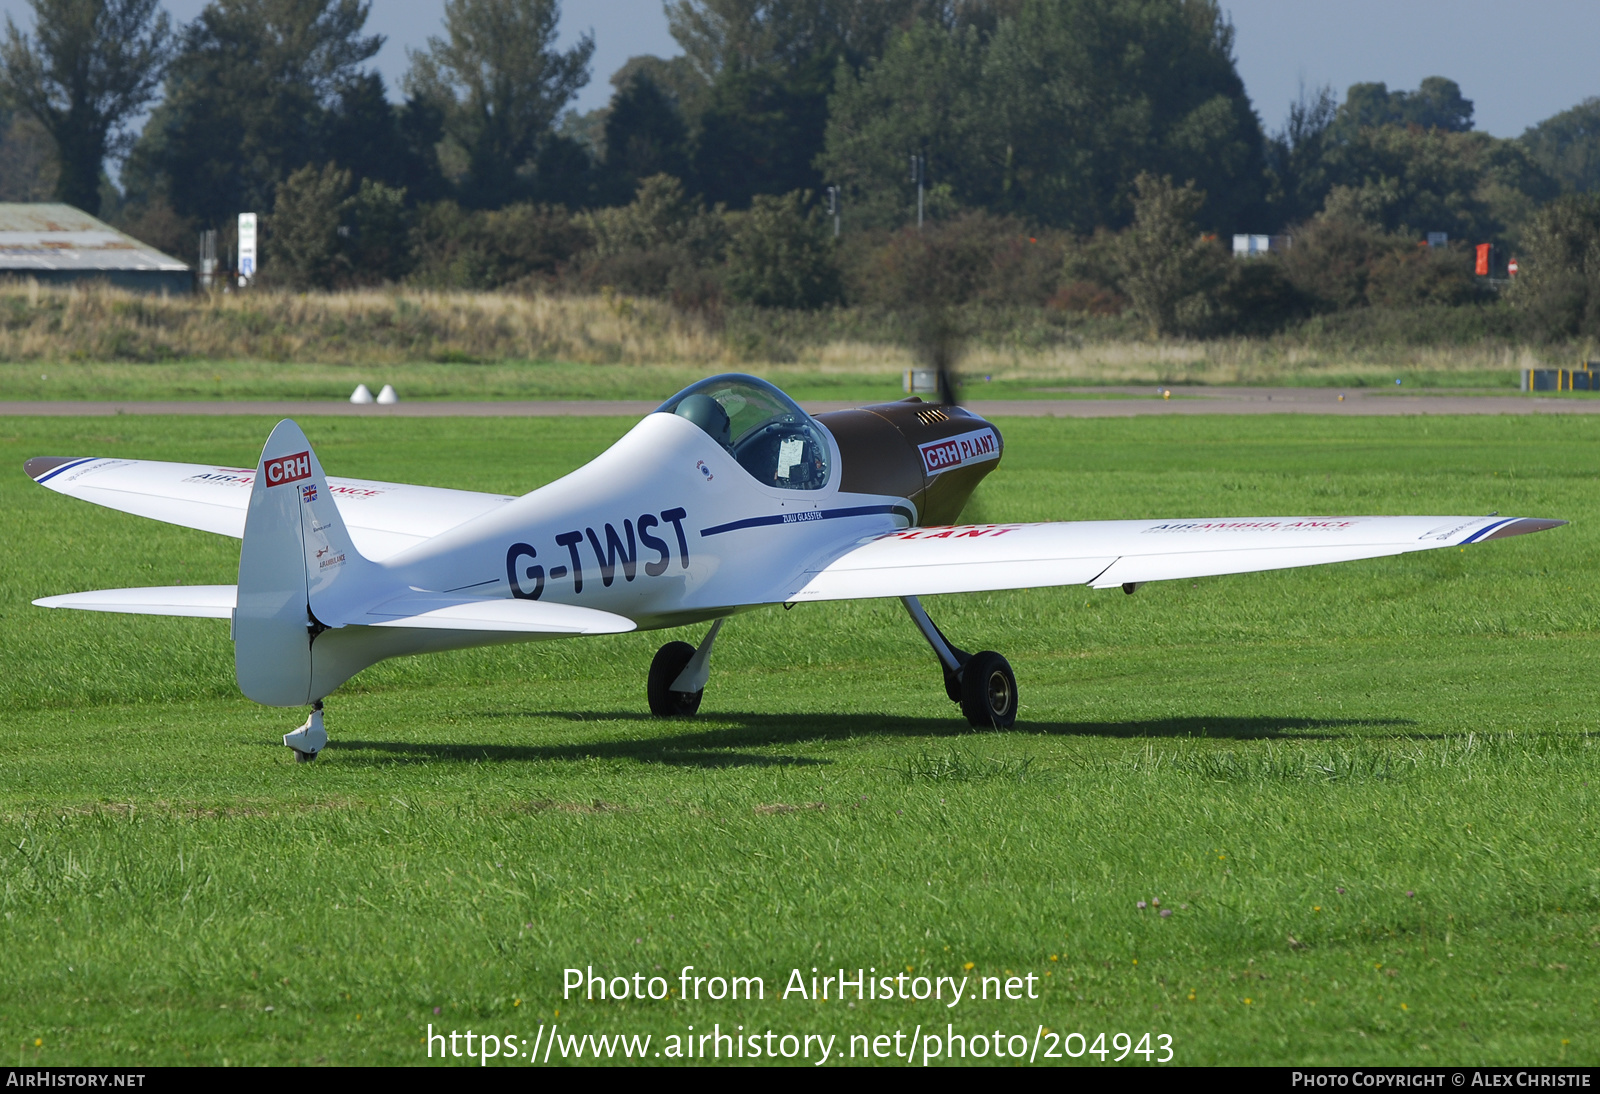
(933,455)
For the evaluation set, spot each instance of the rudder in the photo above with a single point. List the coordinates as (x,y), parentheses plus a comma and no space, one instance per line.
(299,573)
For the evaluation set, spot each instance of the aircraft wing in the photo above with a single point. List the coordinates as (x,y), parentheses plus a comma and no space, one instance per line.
(1108,554)
(384,518)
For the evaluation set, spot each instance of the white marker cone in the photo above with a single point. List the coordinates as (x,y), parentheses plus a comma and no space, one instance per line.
(387,396)
(362,394)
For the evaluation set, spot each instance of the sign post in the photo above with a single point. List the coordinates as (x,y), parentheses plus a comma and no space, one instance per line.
(247,248)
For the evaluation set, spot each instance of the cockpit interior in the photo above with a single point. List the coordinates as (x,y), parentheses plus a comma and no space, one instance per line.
(762,428)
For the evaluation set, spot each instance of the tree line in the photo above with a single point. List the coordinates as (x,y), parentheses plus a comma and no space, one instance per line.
(1089,155)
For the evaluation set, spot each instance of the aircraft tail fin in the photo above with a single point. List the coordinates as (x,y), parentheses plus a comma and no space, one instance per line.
(299,572)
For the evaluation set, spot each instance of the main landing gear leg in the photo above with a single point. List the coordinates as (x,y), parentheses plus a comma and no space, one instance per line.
(678,676)
(310,738)
(981,682)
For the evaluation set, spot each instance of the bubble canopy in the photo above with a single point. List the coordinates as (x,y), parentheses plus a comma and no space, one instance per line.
(765,431)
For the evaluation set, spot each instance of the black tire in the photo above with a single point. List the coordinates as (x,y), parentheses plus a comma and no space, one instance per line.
(988,692)
(669,663)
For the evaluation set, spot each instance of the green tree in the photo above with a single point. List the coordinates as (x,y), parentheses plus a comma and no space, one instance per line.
(327,232)
(379,234)
(722,35)
(520,244)
(306,250)
(644,136)
(247,98)
(375,139)
(1474,186)
(1164,265)
(501,84)
(1297,154)
(780,254)
(762,73)
(661,242)
(1558,289)
(924,96)
(1071,99)
(1567,146)
(1436,104)
(90,65)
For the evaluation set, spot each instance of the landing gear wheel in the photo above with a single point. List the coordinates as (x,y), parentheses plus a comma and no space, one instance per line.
(988,692)
(669,663)
(310,739)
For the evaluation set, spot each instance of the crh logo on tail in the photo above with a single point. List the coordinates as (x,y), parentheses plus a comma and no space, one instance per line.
(288,469)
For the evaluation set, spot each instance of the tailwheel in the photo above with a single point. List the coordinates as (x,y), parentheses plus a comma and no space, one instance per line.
(310,739)
(669,663)
(988,692)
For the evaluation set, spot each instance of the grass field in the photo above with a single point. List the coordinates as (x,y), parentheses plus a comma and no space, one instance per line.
(1367,793)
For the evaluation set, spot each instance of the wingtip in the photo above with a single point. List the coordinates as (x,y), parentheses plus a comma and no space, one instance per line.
(39,466)
(1522,526)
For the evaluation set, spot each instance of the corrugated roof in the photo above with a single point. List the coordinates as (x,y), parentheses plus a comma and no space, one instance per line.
(59,237)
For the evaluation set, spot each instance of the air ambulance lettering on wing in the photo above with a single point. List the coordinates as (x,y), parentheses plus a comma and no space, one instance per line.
(953,452)
(1325,525)
(612,550)
(288,469)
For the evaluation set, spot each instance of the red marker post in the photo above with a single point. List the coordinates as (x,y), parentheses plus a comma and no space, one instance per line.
(1511,268)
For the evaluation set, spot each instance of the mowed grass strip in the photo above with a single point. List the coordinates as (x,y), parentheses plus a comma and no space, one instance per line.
(1366,793)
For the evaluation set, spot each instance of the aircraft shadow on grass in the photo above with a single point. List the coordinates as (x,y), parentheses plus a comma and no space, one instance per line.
(706,747)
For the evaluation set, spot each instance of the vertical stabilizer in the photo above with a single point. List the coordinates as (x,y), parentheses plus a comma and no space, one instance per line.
(299,573)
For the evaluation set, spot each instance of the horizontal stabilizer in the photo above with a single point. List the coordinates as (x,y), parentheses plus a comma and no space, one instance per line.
(203,601)
(434,612)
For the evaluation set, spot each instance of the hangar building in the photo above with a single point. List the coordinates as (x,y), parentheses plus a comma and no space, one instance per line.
(58,243)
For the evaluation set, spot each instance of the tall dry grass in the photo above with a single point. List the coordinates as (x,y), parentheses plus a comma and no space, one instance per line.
(95,323)
(100,324)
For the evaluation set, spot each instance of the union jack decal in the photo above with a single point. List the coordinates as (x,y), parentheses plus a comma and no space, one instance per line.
(308,494)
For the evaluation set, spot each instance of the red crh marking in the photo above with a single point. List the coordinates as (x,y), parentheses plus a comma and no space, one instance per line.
(969,531)
(288,469)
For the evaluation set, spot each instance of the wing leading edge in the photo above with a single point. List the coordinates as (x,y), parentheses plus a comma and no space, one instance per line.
(1108,554)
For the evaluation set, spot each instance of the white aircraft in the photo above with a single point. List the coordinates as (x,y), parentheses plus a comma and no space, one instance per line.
(728,497)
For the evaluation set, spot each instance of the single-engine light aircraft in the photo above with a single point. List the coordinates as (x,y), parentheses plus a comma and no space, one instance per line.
(728,497)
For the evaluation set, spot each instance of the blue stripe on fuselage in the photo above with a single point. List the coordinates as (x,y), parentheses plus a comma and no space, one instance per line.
(809,515)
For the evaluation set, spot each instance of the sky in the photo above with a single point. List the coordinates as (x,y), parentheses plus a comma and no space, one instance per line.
(1518,62)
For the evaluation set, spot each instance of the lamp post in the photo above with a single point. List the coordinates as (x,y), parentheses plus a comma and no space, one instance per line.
(919,174)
